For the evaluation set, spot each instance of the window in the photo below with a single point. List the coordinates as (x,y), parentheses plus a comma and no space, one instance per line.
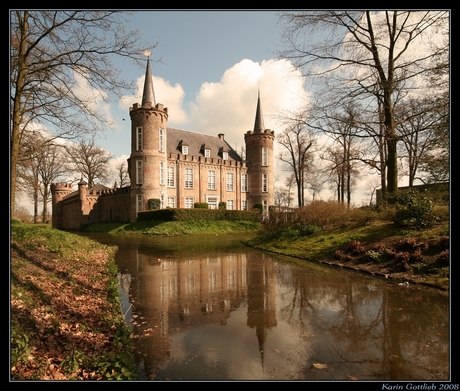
(171,202)
(264,183)
(139,138)
(162,173)
(138,172)
(139,203)
(225,155)
(188,178)
(207,153)
(230,205)
(212,202)
(211,180)
(244,182)
(184,149)
(265,205)
(229,181)
(189,202)
(162,201)
(244,205)
(161,140)
(171,176)
(264,156)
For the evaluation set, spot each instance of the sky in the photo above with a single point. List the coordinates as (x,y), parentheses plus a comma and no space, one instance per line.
(212,66)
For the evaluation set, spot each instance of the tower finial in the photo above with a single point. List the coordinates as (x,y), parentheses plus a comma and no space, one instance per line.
(259,122)
(148,94)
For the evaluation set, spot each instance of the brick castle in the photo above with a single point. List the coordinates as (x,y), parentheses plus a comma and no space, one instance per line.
(175,168)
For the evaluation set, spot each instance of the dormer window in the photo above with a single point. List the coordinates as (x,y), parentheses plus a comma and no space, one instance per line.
(223,153)
(207,153)
(184,149)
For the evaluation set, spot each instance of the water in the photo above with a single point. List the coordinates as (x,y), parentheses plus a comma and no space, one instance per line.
(210,308)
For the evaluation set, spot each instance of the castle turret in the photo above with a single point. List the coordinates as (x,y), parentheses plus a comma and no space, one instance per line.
(148,148)
(260,162)
(58,192)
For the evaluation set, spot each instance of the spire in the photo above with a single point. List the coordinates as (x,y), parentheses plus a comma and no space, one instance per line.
(259,122)
(148,94)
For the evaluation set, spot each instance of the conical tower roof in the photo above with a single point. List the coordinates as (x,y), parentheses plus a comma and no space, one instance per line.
(148,94)
(259,122)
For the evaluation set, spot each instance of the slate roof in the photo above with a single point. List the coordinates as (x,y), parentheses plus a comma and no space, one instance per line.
(196,141)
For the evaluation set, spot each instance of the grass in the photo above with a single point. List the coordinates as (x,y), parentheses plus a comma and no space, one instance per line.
(65,318)
(174,228)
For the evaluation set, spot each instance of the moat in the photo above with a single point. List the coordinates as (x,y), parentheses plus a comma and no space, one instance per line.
(210,308)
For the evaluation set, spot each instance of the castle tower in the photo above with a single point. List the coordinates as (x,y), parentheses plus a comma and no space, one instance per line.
(260,162)
(58,192)
(148,149)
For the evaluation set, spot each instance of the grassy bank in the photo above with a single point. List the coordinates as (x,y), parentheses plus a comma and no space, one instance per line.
(65,316)
(172,228)
(379,247)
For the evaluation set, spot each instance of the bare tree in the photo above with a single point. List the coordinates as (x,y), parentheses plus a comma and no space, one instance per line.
(90,161)
(122,173)
(420,136)
(367,56)
(343,127)
(297,140)
(45,165)
(54,56)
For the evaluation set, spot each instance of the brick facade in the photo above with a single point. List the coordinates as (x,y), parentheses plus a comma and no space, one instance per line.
(177,167)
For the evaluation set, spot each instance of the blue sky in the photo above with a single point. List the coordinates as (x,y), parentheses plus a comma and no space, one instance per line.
(213,63)
(196,49)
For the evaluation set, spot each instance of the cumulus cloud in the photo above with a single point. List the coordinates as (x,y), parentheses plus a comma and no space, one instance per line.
(229,106)
(171,96)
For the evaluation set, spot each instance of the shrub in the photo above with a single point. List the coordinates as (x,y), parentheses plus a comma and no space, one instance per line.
(222,205)
(201,205)
(443,258)
(154,203)
(414,209)
(258,206)
(355,247)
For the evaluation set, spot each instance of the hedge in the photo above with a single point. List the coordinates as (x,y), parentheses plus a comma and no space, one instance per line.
(182,214)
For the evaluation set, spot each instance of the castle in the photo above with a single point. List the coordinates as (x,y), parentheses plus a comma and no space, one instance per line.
(174,168)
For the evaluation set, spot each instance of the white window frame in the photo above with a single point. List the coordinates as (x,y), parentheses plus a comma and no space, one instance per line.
(264,183)
(162,173)
(230,205)
(139,138)
(225,155)
(161,140)
(244,205)
(189,202)
(264,156)
(184,149)
(172,202)
(139,203)
(188,178)
(139,173)
(229,181)
(244,182)
(171,177)
(210,201)
(212,179)
(207,153)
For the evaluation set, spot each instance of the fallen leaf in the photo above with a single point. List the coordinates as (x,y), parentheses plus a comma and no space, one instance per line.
(352,377)
(319,366)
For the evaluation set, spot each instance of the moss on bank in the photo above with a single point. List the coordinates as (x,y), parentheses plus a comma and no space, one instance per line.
(65,318)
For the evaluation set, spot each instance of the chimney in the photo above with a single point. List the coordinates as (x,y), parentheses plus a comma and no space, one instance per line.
(221,136)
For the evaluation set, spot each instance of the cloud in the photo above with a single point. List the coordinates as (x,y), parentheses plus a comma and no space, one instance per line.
(229,106)
(171,96)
